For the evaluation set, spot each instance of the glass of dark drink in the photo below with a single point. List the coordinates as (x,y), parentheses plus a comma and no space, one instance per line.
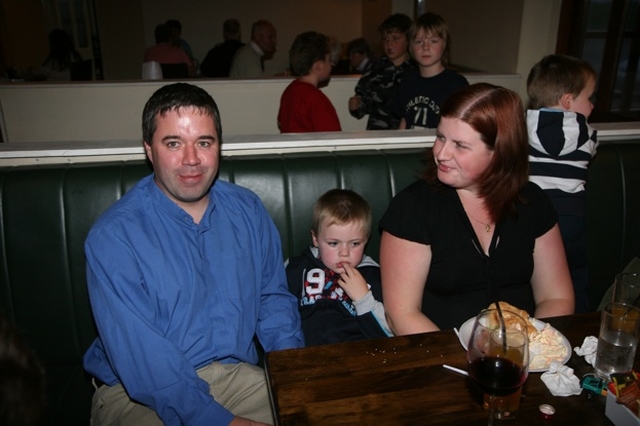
(498,354)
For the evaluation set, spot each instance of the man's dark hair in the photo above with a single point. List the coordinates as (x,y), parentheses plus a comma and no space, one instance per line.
(173,97)
(22,381)
(396,22)
(174,24)
(259,26)
(231,29)
(306,49)
(359,45)
(163,33)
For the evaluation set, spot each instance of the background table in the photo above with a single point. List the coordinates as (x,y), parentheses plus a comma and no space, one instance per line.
(401,381)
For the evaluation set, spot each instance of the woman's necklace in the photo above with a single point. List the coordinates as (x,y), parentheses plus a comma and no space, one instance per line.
(487,226)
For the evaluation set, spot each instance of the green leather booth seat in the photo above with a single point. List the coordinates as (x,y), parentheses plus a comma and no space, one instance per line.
(47,210)
(613,213)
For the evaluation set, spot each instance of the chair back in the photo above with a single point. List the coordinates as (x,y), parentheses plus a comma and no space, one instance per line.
(82,70)
(174,71)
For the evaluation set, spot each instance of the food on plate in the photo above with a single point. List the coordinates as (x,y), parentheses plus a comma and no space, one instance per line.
(546,346)
(507,310)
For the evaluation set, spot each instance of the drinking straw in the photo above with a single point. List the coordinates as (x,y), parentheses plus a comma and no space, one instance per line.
(455,370)
(503,327)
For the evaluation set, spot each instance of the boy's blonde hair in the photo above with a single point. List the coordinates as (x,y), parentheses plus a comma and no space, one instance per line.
(341,206)
(434,25)
(554,76)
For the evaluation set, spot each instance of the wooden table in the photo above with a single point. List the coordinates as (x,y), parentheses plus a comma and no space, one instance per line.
(401,381)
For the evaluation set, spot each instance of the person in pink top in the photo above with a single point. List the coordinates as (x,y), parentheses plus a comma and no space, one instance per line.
(303,106)
(165,52)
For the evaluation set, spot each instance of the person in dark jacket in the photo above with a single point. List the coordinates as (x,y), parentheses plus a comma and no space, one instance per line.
(217,63)
(337,285)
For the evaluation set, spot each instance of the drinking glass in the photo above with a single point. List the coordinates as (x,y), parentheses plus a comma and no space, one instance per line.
(626,289)
(505,407)
(498,354)
(617,340)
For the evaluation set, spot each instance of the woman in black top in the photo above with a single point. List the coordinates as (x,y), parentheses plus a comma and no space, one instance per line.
(473,229)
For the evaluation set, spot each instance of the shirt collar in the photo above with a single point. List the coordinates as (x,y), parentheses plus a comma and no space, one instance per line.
(363,64)
(256,48)
(174,210)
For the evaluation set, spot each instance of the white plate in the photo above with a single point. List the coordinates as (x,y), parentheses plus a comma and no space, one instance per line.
(464,333)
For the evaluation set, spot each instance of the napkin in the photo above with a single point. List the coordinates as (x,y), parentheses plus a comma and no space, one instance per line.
(561,381)
(588,349)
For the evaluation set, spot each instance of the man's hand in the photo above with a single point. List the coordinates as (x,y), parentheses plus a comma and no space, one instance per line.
(355,102)
(353,283)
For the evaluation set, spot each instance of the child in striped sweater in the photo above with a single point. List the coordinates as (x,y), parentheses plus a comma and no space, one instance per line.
(561,145)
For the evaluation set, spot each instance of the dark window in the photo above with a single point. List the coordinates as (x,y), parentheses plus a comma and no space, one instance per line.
(606,33)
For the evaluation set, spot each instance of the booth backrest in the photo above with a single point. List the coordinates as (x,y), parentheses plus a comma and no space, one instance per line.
(47,210)
(613,213)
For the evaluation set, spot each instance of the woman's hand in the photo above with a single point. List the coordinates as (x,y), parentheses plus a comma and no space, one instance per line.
(353,283)
(240,421)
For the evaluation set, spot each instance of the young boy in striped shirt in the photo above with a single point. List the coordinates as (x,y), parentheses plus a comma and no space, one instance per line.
(561,145)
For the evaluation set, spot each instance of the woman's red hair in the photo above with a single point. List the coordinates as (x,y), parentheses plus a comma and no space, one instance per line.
(497,114)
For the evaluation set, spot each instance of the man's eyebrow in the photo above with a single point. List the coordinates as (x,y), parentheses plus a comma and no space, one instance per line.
(172,137)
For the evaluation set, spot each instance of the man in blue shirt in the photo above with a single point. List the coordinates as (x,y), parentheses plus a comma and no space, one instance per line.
(183,271)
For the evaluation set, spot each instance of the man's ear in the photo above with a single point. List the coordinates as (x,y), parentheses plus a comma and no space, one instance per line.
(147,149)
(566,100)
(317,66)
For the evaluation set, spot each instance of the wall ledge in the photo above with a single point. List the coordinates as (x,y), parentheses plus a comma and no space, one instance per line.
(234,145)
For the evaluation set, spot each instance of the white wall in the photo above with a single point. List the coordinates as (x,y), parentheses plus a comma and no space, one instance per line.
(202,21)
(403,6)
(488,35)
(122,41)
(534,43)
(113,111)
(501,36)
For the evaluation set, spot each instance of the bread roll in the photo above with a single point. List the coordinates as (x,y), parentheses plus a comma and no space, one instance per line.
(507,312)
